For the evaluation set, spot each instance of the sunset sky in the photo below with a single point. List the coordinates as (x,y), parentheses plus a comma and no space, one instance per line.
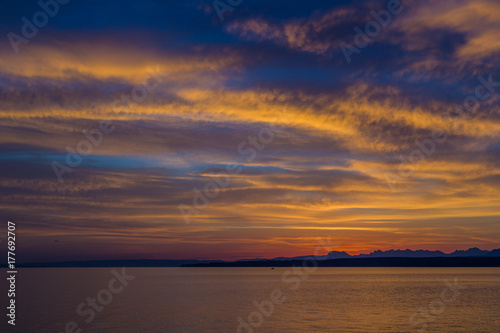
(377,152)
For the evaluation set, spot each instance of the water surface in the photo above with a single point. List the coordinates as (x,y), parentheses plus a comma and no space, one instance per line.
(212,300)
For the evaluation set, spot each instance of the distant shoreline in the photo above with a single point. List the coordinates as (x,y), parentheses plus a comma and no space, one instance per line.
(366,262)
(343,262)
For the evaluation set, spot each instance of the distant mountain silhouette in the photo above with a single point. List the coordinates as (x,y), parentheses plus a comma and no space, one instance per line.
(367,262)
(402,254)
(494,253)
(472,252)
(350,260)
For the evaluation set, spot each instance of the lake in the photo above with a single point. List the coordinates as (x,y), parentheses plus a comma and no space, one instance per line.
(258,300)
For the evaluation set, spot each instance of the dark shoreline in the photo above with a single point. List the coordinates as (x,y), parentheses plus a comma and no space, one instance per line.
(308,261)
(364,262)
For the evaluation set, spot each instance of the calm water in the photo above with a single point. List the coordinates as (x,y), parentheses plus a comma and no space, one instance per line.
(211,300)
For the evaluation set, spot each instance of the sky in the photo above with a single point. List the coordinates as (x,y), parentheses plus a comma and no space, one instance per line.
(243,129)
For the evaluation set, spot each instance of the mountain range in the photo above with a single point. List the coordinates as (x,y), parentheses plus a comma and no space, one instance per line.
(472,252)
(331,257)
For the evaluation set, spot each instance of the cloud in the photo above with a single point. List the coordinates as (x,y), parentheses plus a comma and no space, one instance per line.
(319,34)
(343,128)
(474,22)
